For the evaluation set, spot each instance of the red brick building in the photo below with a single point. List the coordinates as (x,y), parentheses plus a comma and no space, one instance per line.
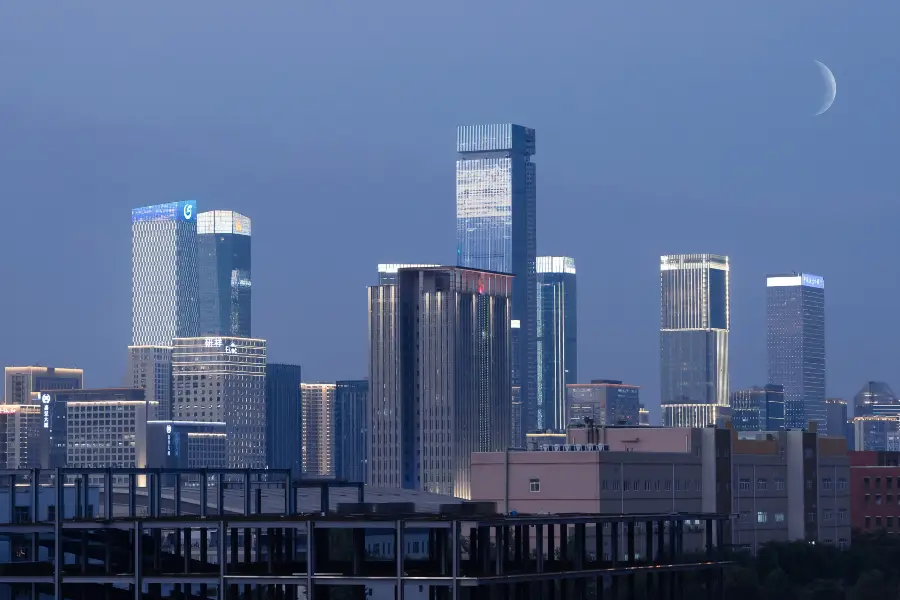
(875,491)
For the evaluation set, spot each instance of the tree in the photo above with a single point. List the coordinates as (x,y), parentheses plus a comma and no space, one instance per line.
(741,583)
(872,585)
(777,586)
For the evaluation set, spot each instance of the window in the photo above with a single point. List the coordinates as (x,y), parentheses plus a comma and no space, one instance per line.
(604,485)
(877,521)
(842,515)
(867,497)
(646,485)
(889,521)
(866,482)
(888,482)
(21,515)
(744,485)
(810,517)
(534,485)
(761,484)
(656,485)
(842,544)
(616,485)
(842,483)
(762,517)
(745,516)
(51,513)
(668,485)
(627,485)
(878,499)
(677,485)
(878,483)
(779,517)
(868,522)
(827,515)
(779,484)
(827,483)
(889,499)
(809,484)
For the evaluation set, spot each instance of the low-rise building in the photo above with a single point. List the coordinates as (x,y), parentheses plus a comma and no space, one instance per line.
(875,491)
(109,429)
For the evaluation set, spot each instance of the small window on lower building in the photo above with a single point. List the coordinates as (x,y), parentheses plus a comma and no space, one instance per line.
(762,517)
(534,485)
(868,522)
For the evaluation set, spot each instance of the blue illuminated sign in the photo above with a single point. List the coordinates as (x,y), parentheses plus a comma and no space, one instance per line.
(186,210)
(813,281)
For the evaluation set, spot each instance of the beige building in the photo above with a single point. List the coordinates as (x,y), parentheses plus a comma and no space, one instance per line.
(22,444)
(777,486)
(24,383)
(109,432)
(317,445)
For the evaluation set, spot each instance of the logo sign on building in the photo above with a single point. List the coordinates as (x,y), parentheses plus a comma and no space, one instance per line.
(212,342)
(45,401)
(168,440)
(187,210)
(231,349)
(813,281)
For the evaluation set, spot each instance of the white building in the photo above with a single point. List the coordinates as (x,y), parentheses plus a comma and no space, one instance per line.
(317,445)
(109,432)
(22,446)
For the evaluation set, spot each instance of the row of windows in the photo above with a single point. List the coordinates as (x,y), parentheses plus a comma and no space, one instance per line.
(888,482)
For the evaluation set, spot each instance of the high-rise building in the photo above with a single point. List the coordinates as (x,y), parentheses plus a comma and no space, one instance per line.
(644,416)
(695,299)
(795,342)
(351,399)
(284,407)
(165,285)
(150,368)
(758,408)
(318,429)
(222,380)
(24,383)
(387,273)
(496,230)
(605,402)
(875,396)
(439,376)
(186,445)
(839,424)
(557,339)
(22,446)
(223,267)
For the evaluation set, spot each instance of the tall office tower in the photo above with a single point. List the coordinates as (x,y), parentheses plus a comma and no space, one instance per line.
(150,368)
(695,298)
(758,408)
(439,376)
(21,444)
(222,380)
(557,340)
(164,283)
(795,341)
(838,418)
(283,417)
(318,429)
(644,416)
(874,394)
(607,402)
(223,268)
(496,230)
(24,383)
(351,399)
(387,273)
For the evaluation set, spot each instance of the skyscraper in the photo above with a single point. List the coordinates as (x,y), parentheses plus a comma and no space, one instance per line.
(557,339)
(150,368)
(607,402)
(439,375)
(795,342)
(874,394)
(223,265)
(284,423)
(758,408)
(164,273)
(318,429)
(496,230)
(695,321)
(387,273)
(838,419)
(222,380)
(350,429)
(23,383)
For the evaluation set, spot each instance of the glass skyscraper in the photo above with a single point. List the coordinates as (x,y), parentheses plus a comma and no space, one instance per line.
(874,398)
(557,341)
(284,424)
(223,239)
(164,273)
(695,310)
(795,343)
(350,429)
(496,230)
(758,408)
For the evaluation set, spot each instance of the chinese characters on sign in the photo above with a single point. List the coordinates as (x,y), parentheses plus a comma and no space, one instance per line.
(212,342)
(45,399)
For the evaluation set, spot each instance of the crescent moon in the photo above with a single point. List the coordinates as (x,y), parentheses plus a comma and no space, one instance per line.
(831,92)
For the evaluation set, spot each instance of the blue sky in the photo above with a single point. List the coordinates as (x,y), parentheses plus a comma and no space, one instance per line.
(662,127)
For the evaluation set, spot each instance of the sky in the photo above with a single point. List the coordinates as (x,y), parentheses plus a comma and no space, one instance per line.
(662,128)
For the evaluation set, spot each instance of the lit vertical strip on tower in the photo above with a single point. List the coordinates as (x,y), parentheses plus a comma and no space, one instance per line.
(695,319)
(224,272)
(557,342)
(164,273)
(496,230)
(795,345)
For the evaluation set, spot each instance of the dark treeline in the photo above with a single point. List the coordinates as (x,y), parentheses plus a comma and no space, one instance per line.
(868,570)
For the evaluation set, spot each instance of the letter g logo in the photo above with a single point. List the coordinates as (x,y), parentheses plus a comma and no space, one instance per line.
(188,212)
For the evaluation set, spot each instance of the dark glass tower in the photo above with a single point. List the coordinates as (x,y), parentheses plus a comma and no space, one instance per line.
(557,341)
(875,397)
(224,270)
(350,429)
(695,310)
(496,230)
(795,342)
(283,417)
(758,409)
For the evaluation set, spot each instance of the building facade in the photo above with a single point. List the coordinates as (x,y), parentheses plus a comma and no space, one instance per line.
(22,444)
(387,272)
(150,368)
(795,343)
(186,445)
(223,268)
(758,408)
(439,376)
(875,396)
(351,399)
(875,491)
(284,424)
(496,230)
(165,284)
(23,384)
(875,433)
(839,424)
(108,428)
(318,429)
(604,402)
(557,339)
(695,309)
(222,380)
